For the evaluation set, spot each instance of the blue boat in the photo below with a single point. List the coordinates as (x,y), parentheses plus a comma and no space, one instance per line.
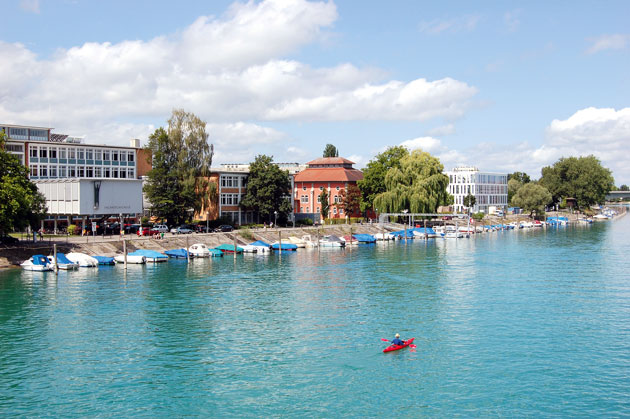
(105,260)
(177,253)
(150,255)
(364,238)
(216,253)
(229,248)
(286,247)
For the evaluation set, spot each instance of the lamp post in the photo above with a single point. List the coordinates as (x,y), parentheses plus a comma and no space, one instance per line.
(275,220)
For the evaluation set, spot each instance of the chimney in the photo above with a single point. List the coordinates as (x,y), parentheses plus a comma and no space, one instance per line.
(134,142)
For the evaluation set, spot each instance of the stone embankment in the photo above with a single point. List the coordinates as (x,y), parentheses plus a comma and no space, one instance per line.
(113,245)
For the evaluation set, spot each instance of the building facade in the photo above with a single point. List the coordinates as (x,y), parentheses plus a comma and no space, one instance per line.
(69,173)
(334,174)
(488,188)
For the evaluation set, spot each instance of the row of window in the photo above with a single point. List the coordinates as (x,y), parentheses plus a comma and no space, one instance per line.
(321,188)
(81,153)
(53,171)
(478,178)
(318,209)
(233,181)
(26,134)
(304,199)
(230,199)
(477,189)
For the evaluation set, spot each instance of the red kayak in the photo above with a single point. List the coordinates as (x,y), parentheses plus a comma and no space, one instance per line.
(397,347)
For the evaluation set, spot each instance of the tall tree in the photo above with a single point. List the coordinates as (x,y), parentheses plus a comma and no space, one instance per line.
(21,203)
(373,182)
(418,185)
(350,200)
(331,151)
(513,186)
(532,197)
(582,178)
(624,187)
(268,189)
(181,159)
(325,205)
(470,201)
(520,176)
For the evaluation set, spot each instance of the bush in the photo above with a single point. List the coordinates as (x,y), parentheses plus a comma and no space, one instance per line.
(478,216)
(246,233)
(304,222)
(72,229)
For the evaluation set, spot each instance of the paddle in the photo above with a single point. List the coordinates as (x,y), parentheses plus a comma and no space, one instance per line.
(385,340)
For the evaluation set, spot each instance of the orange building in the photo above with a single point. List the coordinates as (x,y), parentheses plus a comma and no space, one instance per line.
(333,173)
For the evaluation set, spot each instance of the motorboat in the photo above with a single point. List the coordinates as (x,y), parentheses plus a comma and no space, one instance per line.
(150,255)
(261,246)
(63,262)
(350,241)
(199,250)
(84,261)
(285,247)
(38,263)
(105,260)
(296,241)
(364,238)
(309,241)
(331,241)
(177,253)
(248,248)
(384,236)
(229,248)
(421,233)
(131,259)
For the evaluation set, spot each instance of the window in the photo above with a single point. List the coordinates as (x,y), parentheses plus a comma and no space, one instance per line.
(106,172)
(123,156)
(53,171)
(98,154)
(337,200)
(114,155)
(81,171)
(81,154)
(43,152)
(123,173)
(340,210)
(337,188)
(106,155)
(33,170)
(319,199)
(130,156)
(130,173)
(303,188)
(33,152)
(89,154)
(63,153)
(98,172)
(72,153)
(63,171)
(335,210)
(43,171)
(89,171)
(14,147)
(321,188)
(53,152)
(72,171)
(39,134)
(18,133)
(114,172)
(304,199)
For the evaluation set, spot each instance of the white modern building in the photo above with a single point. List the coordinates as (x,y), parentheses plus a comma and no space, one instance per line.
(80,180)
(489,189)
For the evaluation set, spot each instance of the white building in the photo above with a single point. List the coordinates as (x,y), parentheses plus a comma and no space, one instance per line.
(489,189)
(78,179)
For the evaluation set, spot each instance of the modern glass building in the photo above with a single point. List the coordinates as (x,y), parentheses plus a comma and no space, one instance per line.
(488,188)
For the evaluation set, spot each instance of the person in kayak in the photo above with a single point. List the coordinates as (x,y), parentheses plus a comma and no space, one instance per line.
(397,340)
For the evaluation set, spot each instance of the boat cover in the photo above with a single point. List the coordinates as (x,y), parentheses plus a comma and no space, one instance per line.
(216,252)
(63,260)
(421,230)
(148,254)
(40,260)
(364,238)
(401,233)
(285,246)
(177,253)
(229,248)
(105,260)
(260,243)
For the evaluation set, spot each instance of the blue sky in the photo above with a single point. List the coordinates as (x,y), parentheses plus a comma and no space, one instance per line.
(504,86)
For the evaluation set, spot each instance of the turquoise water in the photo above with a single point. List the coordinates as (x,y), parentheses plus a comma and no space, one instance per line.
(518,323)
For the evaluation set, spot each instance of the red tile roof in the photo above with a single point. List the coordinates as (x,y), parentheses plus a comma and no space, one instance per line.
(329,174)
(330,160)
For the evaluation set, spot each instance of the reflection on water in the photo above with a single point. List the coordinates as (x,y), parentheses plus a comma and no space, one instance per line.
(511,323)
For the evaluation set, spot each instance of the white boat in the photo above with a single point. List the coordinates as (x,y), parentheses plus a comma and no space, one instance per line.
(63,262)
(261,247)
(84,261)
(248,248)
(309,241)
(526,224)
(296,241)
(600,217)
(331,241)
(452,233)
(199,250)
(384,237)
(133,259)
(38,263)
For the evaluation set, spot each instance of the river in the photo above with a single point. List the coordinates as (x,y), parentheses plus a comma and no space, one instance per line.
(514,323)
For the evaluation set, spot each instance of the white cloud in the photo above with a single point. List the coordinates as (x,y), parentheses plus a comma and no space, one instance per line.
(604,42)
(428,144)
(31,6)
(442,130)
(359,160)
(225,69)
(456,24)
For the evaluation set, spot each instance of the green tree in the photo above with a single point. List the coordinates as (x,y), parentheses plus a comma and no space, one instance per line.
(519,176)
(373,182)
(418,185)
(350,200)
(181,159)
(21,203)
(582,178)
(624,188)
(470,201)
(268,189)
(513,186)
(323,200)
(532,197)
(331,151)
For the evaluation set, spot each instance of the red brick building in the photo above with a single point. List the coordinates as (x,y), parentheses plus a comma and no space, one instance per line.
(333,173)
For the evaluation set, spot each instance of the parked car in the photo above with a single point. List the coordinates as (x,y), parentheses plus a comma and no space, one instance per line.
(200,229)
(146,231)
(183,229)
(8,240)
(223,228)
(160,228)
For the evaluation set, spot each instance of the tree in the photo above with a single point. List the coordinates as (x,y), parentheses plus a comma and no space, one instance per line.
(268,189)
(21,203)
(582,178)
(418,185)
(181,159)
(331,151)
(350,200)
(513,186)
(520,177)
(532,197)
(323,200)
(470,201)
(624,188)
(373,182)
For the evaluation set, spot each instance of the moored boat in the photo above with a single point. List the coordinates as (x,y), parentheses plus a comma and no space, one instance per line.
(199,250)
(331,241)
(261,246)
(286,247)
(63,262)
(105,260)
(150,255)
(37,263)
(177,253)
(135,259)
(229,248)
(84,261)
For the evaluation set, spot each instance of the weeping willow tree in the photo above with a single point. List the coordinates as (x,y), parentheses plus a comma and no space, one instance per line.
(418,185)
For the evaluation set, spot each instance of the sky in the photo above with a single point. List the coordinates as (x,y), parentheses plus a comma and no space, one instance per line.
(503,86)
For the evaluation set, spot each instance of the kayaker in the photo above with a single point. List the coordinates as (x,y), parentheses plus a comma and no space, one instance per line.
(397,340)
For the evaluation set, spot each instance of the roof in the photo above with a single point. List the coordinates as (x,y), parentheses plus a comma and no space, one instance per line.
(329,174)
(330,160)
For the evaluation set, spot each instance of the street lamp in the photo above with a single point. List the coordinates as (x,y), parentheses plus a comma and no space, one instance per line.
(405,211)
(275,222)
